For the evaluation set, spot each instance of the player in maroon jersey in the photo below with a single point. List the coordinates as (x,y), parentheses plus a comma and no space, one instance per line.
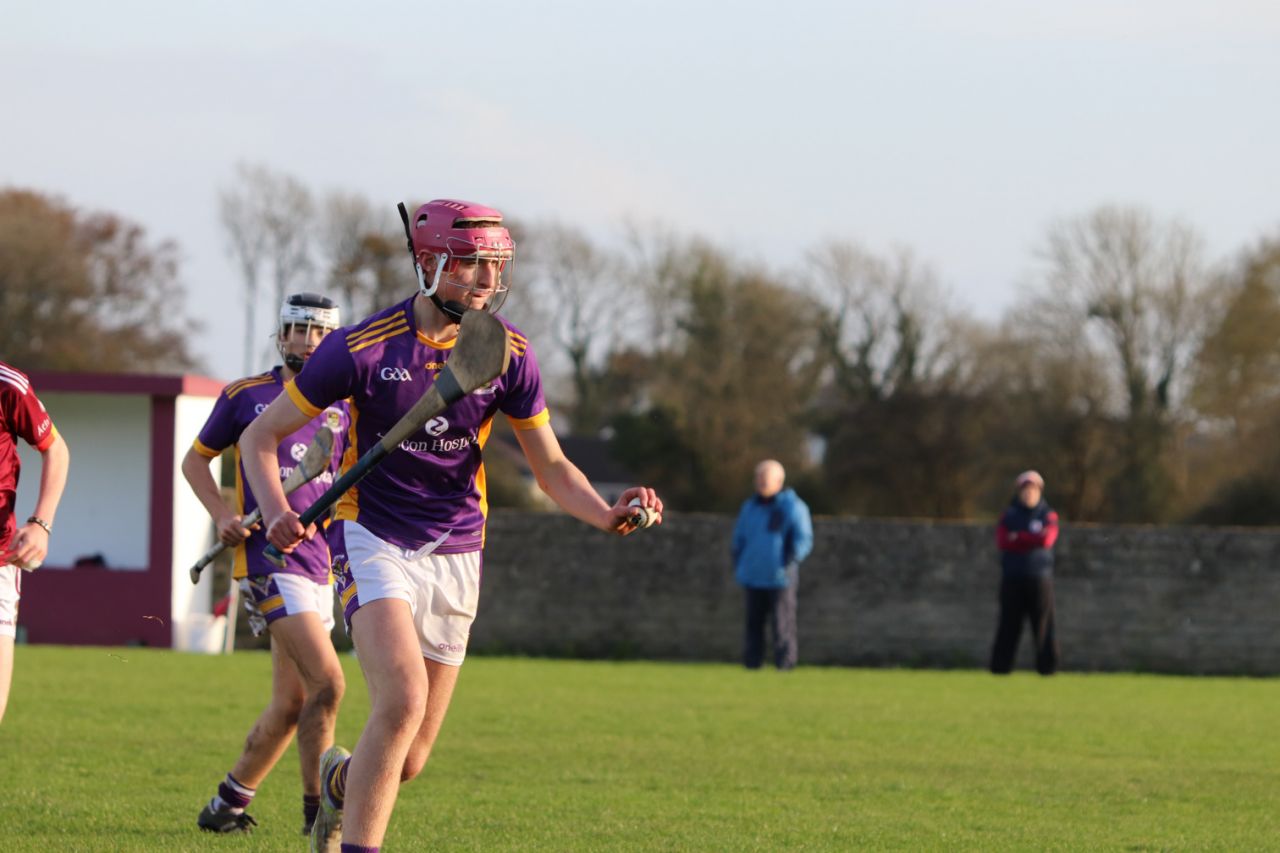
(22,415)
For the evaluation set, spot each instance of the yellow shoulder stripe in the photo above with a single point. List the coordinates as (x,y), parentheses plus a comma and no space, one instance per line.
(204,450)
(399,330)
(236,387)
(291,388)
(376,328)
(543,417)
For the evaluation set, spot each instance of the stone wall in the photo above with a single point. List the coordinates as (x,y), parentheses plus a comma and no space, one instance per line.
(883,593)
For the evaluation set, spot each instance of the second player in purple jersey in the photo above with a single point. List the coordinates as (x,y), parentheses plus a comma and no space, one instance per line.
(236,407)
(384,364)
(293,605)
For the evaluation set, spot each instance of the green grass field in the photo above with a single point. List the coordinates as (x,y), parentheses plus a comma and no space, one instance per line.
(116,749)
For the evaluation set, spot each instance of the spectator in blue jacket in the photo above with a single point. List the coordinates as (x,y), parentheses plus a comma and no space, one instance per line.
(772,537)
(1025,536)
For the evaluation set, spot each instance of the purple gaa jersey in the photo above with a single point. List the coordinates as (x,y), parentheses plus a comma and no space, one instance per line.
(237,406)
(433,484)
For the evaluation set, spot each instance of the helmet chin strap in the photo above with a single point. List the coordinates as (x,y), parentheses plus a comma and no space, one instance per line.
(451,309)
(291,360)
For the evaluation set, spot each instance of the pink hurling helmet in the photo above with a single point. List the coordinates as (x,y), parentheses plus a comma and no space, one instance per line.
(459,232)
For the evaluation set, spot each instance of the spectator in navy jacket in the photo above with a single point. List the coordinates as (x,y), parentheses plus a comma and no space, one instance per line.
(773,535)
(1025,536)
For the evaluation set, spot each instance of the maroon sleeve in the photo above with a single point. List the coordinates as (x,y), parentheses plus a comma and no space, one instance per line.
(1004,541)
(1044,539)
(1050,533)
(27,416)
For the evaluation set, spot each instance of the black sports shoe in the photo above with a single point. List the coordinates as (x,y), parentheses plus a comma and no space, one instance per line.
(225,822)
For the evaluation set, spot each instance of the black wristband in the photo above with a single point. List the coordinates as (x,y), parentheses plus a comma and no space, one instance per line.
(35,519)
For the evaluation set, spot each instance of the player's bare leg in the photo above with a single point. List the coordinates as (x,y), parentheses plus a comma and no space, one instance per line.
(266,742)
(6,672)
(441,678)
(274,728)
(409,701)
(309,654)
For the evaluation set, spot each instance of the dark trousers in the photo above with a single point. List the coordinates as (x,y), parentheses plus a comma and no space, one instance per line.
(779,607)
(1027,598)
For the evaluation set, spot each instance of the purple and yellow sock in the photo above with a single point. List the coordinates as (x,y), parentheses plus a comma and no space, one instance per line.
(337,784)
(232,796)
(357,848)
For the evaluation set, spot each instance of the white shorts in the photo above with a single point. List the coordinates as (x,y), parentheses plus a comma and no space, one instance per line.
(442,590)
(10,592)
(275,596)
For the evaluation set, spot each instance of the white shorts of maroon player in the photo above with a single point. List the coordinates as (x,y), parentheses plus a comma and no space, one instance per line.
(442,590)
(10,592)
(275,596)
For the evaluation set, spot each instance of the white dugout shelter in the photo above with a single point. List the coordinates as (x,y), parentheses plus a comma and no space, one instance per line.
(128,526)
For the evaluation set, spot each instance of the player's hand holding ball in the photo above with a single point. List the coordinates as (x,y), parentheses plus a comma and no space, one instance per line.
(28,547)
(642,516)
(638,508)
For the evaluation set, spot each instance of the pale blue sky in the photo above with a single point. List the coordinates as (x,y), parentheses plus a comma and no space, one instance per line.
(960,129)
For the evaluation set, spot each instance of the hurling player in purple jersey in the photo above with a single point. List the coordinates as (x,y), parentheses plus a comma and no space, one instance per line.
(294,604)
(408,537)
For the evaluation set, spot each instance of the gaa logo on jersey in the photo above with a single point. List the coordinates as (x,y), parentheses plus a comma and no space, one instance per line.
(298,451)
(394,374)
(260,408)
(436,426)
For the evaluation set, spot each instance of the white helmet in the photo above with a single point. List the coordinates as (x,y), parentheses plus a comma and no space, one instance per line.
(307,310)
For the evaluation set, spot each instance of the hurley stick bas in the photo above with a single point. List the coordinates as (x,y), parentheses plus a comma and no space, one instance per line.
(481,355)
(313,462)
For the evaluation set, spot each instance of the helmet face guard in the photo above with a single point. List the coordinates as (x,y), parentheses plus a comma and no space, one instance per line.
(473,252)
(306,310)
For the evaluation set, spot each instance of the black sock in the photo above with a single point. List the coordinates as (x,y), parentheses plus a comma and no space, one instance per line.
(310,805)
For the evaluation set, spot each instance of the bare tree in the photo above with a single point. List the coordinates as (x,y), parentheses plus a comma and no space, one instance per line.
(1137,284)
(1134,289)
(246,243)
(362,253)
(655,259)
(587,304)
(287,216)
(887,326)
(266,217)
